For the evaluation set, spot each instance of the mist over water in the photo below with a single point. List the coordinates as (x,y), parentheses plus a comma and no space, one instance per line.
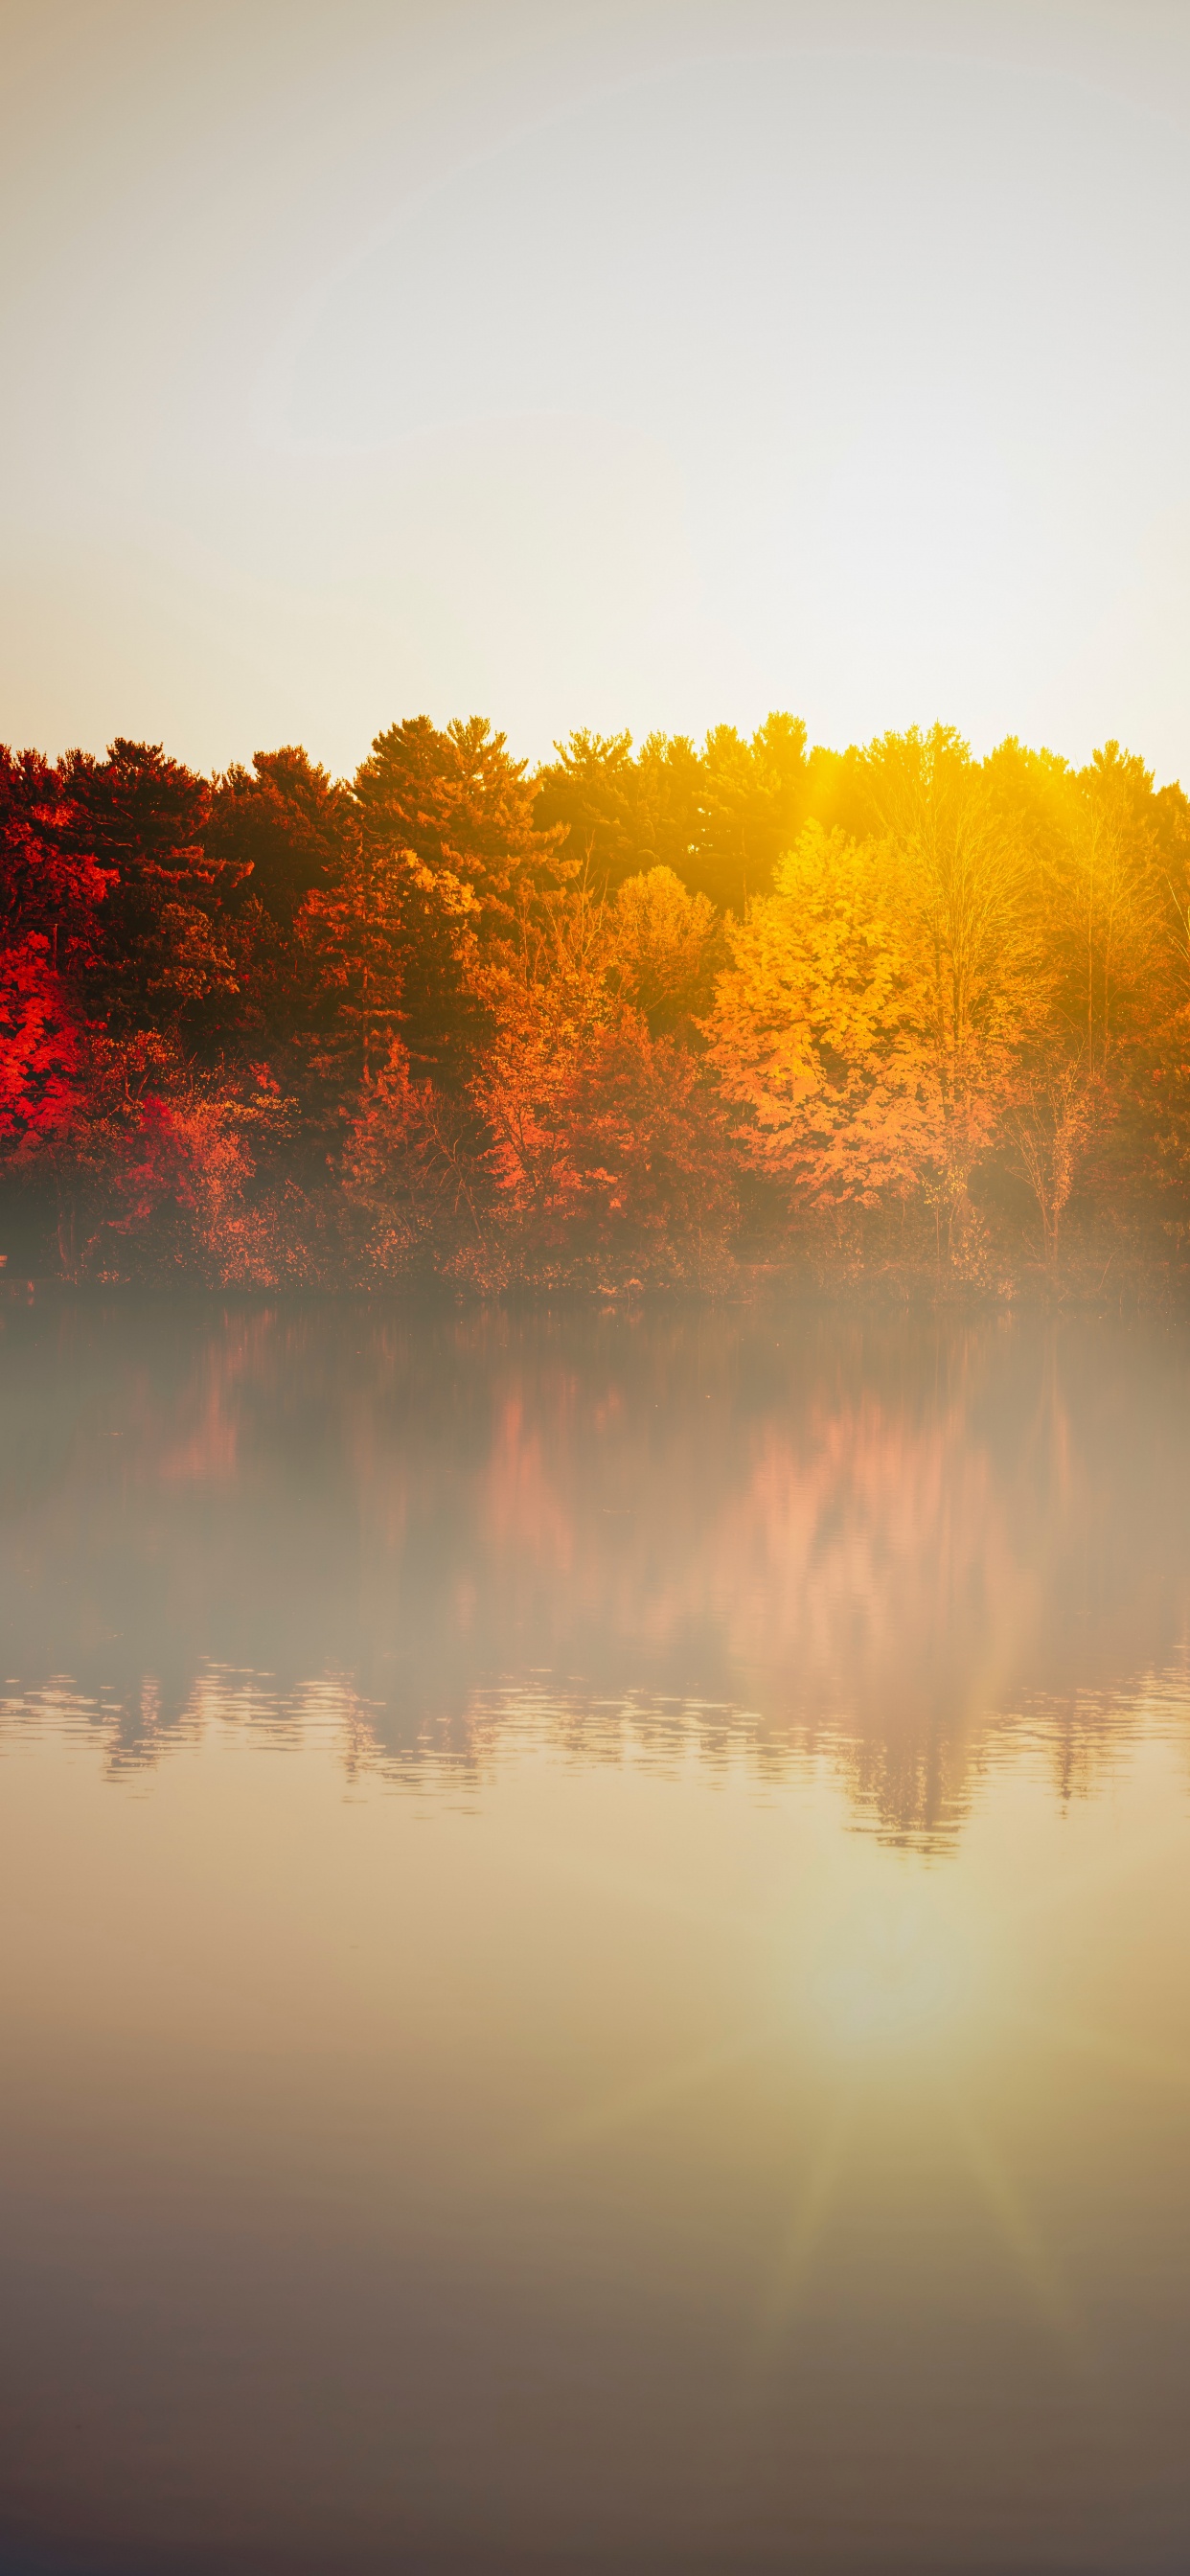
(907,1547)
(595,1967)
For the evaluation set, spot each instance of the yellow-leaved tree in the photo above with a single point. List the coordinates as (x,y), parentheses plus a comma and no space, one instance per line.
(877,1002)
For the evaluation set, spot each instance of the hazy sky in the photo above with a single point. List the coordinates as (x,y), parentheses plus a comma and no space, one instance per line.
(639,365)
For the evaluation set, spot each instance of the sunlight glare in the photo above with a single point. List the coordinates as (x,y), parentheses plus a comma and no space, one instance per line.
(899,1971)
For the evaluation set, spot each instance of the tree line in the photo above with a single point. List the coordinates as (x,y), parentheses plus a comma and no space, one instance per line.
(657,1015)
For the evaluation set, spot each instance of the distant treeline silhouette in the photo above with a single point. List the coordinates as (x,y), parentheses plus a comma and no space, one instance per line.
(658,1017)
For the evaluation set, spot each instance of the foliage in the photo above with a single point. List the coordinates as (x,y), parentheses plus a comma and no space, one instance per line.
(39,1051)
(648,1015)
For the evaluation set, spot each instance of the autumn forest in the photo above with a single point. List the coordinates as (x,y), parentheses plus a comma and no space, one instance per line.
(892,1018)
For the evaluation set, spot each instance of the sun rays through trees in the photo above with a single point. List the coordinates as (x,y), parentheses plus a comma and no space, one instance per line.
(670,1016)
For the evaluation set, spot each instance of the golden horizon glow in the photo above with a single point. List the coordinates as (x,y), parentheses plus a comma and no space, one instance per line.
(783,378)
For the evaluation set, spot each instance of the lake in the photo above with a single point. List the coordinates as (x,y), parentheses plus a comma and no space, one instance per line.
(596,1942)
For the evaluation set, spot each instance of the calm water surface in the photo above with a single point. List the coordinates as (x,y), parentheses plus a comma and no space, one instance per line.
(595,1964)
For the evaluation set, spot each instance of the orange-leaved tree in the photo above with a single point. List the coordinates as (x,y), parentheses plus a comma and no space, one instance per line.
(812,1029)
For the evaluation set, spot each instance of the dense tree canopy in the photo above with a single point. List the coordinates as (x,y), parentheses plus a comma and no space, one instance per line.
(667,1014)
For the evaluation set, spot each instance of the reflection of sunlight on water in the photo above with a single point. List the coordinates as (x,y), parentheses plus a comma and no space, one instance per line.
(896,1972)
(770,2048)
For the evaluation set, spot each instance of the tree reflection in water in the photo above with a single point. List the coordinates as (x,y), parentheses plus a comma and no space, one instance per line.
(900,1546)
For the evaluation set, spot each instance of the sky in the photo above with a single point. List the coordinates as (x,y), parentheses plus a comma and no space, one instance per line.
(580,364)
